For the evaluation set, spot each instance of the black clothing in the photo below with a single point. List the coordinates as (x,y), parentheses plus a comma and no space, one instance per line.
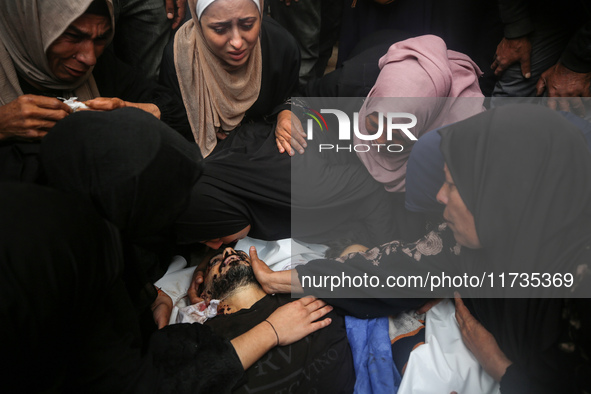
(320,362)
(532,212)
(314,197)
(245,181)
(97,155)
(469,27)
(115,78)
(67,318)
(359,72)
(573,17)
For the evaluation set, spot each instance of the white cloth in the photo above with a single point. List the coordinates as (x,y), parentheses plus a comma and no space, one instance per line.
(203,4)
(444,364)
(198,313)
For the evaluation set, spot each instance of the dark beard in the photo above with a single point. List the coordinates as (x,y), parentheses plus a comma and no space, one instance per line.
(238,275)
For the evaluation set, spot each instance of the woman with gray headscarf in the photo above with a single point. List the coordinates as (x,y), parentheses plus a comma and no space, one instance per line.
(51,49)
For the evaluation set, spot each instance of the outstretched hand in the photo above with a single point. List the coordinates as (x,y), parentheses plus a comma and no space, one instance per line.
(481,342)
(271,281)
(289,134)
(298,319)
(113,103)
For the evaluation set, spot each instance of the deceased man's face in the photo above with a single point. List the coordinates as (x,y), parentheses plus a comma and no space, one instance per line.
(227,272)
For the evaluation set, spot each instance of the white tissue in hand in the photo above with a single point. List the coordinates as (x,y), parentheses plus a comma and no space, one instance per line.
(198,313)
(75,105)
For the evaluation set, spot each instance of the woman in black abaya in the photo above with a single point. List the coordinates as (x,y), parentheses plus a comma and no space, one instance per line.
(525,174)
(518,199)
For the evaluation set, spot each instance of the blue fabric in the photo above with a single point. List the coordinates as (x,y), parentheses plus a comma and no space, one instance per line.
(424,172)
(372,356)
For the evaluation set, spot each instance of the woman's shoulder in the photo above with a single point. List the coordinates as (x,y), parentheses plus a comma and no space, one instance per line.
(276,36)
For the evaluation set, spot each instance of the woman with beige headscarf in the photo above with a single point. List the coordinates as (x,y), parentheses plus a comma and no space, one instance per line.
(51,49)
(230,65)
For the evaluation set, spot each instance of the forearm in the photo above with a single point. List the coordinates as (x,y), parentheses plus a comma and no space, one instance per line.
(148,107)
(285,282)
(253,344)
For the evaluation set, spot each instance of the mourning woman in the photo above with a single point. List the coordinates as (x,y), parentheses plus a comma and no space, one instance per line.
(54,49)
(517,198)
(231,65)
(417,67)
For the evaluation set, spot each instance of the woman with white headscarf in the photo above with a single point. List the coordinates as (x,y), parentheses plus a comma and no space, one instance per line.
(231,65)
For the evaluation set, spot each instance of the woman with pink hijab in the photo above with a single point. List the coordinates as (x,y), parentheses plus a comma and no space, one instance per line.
(422,77)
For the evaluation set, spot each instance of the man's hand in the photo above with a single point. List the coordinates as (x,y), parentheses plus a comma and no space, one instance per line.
(510,51)
(559,81)
(481,342)
(113,103)
(162,309)
(286,140)
(31,117)
(177,14)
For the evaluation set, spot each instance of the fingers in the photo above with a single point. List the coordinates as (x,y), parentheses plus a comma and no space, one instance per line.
(499,68)
(296,145)
(461,310)
(252,252)
(577,106)
(105,103)
(284,146)
(180,13)
(540,86)
(298,134)
(169,5)
(259,266)
(193,291)
(280,147)
(312,303)
(52,104)
(526,66)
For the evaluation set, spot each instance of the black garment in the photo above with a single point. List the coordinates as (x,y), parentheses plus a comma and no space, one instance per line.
(532,211)
(320,362)
(571,18)
(115,78)
(281,64)
(359,72)
(470,27)
(97,155)
(245,181)
(313,197)
(67,322)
